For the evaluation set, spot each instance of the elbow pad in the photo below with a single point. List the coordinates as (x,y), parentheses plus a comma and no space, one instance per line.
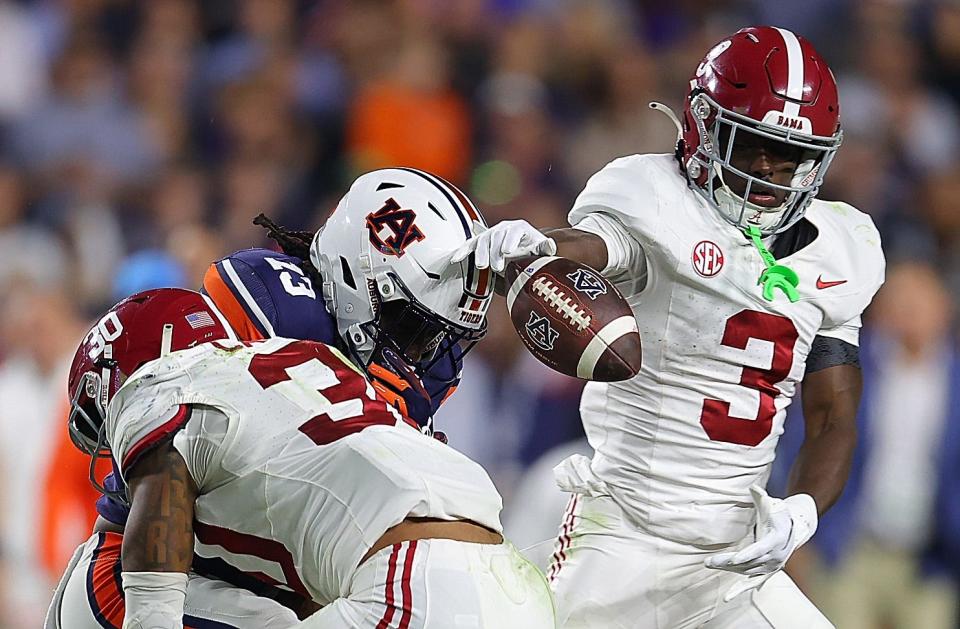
(154,600)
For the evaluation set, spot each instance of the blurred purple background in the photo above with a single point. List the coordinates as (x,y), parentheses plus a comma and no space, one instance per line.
(139,139)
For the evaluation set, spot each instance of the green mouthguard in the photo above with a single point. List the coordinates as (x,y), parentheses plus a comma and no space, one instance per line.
(775,276)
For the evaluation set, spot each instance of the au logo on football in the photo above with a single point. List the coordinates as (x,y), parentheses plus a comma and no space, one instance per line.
(541,332)
(587,283)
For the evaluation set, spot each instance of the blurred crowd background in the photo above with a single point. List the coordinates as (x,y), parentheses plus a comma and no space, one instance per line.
(139,138)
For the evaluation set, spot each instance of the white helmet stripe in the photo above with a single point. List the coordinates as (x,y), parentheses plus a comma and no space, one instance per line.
(794,72)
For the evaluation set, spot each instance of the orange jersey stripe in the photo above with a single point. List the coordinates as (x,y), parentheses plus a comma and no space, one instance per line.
(228,304)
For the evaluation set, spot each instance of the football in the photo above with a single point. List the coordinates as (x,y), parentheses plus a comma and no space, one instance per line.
(573,319)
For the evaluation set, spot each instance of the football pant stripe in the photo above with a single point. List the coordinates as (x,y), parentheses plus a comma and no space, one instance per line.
(563,538)
(524,277)
(599,344)
(406,595)
(229,305)
(388,594)
(255,582)
(105,598)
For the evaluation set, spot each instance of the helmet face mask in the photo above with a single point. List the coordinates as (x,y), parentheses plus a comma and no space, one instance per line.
(87,422)
(88,410)
(418,335)
(763,88)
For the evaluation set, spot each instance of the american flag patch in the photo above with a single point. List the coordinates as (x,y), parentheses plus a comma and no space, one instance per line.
(199,319)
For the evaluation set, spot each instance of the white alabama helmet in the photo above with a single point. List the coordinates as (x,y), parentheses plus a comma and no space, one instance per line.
(384,255)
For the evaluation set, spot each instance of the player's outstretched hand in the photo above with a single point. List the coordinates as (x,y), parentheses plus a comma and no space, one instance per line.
(503,242)
(782,526)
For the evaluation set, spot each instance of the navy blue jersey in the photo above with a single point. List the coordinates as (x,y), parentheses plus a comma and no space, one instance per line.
(264,293)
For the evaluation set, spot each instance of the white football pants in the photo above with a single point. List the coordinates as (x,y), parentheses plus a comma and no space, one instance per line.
(608,574)
(442,584)
(90,596)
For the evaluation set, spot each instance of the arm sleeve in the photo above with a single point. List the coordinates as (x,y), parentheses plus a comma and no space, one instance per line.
(828,351)
(624,253)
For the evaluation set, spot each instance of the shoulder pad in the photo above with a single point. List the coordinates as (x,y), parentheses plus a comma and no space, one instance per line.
(855,256)
(630,189)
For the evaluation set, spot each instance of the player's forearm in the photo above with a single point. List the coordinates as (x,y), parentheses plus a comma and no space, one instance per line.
(580,246)
(158,540)
(159,532)
(831,397)
(822,467)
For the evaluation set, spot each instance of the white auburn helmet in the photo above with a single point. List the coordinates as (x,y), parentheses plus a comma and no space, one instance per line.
(384,256)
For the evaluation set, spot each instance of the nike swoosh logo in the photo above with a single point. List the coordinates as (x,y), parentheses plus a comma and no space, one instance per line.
(821,284)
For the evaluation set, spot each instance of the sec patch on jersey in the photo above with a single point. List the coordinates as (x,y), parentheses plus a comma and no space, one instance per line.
(573,319)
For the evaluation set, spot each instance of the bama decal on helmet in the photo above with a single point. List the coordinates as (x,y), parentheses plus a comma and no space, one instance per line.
(400,223)
(791,123)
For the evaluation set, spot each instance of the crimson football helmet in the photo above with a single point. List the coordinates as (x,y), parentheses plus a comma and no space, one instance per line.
(767,82)
(139,329)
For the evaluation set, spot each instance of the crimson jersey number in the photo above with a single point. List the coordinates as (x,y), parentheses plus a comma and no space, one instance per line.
(740,328)
(353,404)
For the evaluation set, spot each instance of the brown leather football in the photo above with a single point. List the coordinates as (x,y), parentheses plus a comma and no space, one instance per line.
(573,319)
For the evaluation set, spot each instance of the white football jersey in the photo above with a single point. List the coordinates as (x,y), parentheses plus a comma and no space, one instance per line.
(300,466)
(679,445)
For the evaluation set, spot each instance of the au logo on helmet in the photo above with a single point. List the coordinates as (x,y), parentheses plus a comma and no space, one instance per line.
(400,222)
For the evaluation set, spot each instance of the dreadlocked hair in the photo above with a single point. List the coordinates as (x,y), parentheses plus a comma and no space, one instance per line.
(293,242)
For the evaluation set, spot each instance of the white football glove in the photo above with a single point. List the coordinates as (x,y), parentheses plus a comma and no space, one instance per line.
(782,526)
(503,242)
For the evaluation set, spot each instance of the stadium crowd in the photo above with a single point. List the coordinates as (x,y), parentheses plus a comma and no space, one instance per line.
(139,139)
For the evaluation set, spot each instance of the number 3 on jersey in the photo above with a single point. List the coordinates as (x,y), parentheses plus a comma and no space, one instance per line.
(350,401)
(740,328)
